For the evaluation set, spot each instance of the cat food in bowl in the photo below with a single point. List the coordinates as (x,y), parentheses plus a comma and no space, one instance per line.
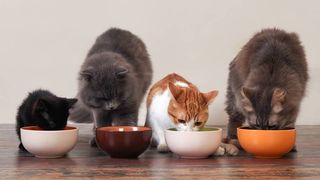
(123,141)
(49,144)
(194,144)
(266,143)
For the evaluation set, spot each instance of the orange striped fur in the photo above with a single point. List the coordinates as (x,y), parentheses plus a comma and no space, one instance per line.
(187,103)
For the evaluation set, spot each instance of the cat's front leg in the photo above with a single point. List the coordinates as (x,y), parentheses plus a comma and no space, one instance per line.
(158,138)
(22,148)
(294,149)
(162,146)
(220,151)
(121,118)
(231,144)
(92,141)
(225,148)
(101,118)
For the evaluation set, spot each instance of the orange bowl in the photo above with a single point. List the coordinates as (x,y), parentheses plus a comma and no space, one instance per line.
(266,143)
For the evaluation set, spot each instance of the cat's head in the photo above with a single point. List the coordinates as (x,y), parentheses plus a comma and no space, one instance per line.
(52,113)
(188,108)
(264,108)
(105,81)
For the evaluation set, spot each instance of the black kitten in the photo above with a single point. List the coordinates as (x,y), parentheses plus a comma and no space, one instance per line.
(44,109)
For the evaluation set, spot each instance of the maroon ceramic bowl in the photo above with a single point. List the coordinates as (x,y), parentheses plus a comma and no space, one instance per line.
(123,141)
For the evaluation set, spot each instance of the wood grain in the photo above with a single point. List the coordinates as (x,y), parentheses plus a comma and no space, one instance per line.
(85,162)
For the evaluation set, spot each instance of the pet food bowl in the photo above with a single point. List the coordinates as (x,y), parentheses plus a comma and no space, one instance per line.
(123,141)
(266,143)
(194,144)
(49,144)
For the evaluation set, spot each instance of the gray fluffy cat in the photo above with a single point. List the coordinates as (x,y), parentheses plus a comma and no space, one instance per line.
(113,80)
(267,81)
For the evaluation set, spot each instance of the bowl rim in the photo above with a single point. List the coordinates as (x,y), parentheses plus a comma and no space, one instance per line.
(109,129)
(261,130)
(26,128)
(196,132)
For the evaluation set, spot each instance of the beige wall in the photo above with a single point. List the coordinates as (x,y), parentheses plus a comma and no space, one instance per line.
(43,43)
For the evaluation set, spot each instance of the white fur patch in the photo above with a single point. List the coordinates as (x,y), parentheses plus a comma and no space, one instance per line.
(189,126)
(246,124)
(181,84)
(158,115)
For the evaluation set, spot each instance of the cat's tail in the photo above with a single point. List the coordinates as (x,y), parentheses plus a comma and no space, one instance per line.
(80,114)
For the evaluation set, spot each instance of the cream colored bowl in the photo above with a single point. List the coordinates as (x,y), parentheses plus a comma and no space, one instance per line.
(194,144)
(49,144)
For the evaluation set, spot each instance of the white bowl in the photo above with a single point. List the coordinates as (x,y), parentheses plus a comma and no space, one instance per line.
(48,144)
(194,144)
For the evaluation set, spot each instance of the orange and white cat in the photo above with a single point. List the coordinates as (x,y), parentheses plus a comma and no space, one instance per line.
(173,102)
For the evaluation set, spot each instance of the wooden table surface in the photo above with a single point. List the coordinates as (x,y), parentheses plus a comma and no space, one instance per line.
(89,163)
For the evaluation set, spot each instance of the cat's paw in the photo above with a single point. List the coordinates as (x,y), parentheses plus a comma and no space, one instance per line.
(231,149)
(235,142)
(162,148)
(220,151)
(93,142)
(154,142)
(22,148)
(294,149)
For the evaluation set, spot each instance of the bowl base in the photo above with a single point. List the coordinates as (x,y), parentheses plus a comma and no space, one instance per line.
(268,157)
(49,157)
(193,157)
(123,157)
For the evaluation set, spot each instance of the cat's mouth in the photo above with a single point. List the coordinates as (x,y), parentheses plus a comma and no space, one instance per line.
(111,107)
(51,123)
(105,107)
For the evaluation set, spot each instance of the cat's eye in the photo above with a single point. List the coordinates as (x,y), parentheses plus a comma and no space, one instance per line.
(181,121)
(103,99)
(197,123)
(100,99)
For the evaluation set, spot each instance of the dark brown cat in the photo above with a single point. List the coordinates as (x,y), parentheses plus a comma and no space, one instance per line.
(267,81)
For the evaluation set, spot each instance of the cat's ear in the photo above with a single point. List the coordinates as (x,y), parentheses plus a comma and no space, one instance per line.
(278,98)
(121,72)
(70,102)
(247,92)
(175,91)
(278,95)
(40,105)
(209,97)
(86,74)
(41,108)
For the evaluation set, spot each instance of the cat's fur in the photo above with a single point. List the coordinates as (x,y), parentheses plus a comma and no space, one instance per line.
(44,109)
(267,81)
(113,80)
(173,102)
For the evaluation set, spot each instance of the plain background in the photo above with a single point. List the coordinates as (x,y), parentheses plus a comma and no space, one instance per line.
(43,43)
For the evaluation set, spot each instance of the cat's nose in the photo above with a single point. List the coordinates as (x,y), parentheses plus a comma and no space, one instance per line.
(110,106)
